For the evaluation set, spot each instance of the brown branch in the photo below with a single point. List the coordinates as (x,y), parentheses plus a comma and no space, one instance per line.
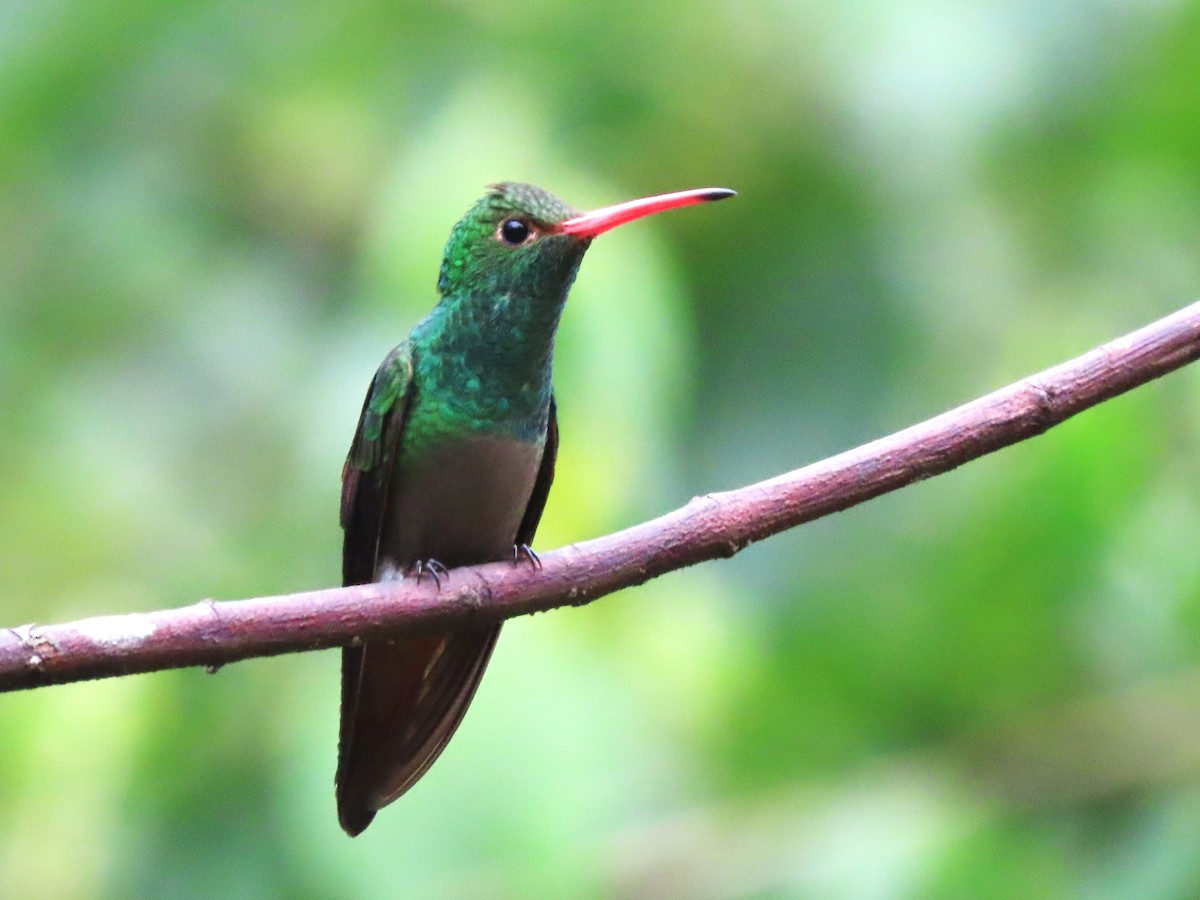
(717,525)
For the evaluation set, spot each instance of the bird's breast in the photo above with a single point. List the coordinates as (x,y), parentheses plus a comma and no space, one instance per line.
(459,500)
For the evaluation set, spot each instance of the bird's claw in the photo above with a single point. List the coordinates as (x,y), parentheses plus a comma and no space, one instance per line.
(436,571)
(524,551)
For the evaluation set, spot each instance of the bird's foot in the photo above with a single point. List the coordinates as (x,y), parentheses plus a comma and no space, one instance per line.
(525,552)
(436,571)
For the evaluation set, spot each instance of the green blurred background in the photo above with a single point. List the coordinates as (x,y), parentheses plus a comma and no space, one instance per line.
(216,217)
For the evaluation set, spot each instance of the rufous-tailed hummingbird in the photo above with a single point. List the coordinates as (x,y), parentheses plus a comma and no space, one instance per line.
(450,466)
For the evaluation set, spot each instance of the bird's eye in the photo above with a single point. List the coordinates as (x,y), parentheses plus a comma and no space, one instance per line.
(514,231)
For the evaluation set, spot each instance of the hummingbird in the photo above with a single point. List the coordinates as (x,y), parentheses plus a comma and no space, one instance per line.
(451,465)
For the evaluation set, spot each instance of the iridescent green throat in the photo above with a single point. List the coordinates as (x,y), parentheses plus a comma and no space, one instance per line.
(483,356)
(484,364)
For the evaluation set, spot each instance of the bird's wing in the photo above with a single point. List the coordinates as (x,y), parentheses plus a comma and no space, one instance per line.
(365,479)
(367,472)
(541,486)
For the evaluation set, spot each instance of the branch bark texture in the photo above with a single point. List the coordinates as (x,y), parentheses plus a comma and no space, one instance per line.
(716,525)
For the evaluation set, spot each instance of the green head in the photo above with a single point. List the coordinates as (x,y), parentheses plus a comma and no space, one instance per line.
(508,245)
(519,241)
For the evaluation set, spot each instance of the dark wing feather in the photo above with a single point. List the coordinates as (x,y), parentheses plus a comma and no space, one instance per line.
(367,472)
(433,679)
(365,479)
(541,486)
